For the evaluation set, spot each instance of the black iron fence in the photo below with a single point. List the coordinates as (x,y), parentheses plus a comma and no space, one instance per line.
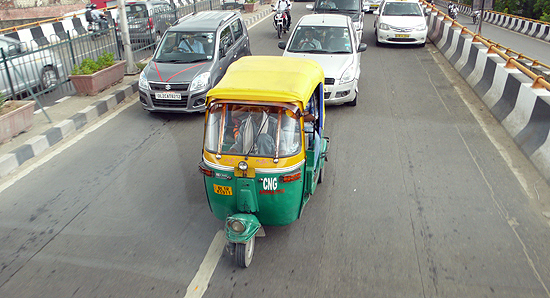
(33,69)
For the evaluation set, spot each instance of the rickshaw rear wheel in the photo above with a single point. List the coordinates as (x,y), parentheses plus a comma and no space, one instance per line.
(244,252)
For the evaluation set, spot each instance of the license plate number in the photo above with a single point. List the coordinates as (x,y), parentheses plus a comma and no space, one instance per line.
(223,190)
(401,35)
(168,95)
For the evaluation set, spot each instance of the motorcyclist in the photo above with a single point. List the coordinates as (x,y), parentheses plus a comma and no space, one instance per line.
(286,6)
(476,16)
(97,16)
(452,10)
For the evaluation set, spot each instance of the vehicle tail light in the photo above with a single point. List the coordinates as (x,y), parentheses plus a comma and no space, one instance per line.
(293,176)
(150,24)
(205,170)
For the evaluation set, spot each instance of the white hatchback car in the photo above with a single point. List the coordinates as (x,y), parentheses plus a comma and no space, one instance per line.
(329,39)
(400,22)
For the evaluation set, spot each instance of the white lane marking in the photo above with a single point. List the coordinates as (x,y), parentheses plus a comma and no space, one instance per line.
(40,110)
(199,284)
(64,146)
(62,99)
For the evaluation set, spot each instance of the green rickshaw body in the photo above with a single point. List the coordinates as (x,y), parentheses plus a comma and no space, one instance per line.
(260,166)
(274,203)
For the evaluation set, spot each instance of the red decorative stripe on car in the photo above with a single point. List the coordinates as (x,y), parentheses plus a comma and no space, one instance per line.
(183,71)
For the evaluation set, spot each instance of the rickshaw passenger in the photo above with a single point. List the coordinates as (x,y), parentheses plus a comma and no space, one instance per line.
(257,134)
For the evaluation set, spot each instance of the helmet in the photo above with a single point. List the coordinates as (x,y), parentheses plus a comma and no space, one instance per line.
(93,6)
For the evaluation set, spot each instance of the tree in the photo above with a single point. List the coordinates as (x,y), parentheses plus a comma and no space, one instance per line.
(542,10)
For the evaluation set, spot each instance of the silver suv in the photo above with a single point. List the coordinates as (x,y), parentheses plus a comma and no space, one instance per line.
(147,20)
(34,69)
(191,58)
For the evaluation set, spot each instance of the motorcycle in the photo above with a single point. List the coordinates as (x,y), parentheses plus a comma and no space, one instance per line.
(280,21)
(475,16)
(453,12)
(95,27)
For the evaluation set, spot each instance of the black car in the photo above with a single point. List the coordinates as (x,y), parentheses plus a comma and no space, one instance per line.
(352,8)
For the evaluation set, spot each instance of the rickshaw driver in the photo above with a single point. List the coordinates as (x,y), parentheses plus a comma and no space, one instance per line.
(257,134)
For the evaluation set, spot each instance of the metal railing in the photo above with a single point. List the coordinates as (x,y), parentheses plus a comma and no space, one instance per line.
(28,69)
(538,77)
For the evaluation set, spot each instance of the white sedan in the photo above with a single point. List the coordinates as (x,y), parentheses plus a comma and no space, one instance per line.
(330,40)
(400,22)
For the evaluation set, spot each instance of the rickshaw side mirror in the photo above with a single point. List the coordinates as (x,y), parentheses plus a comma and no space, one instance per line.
(281,45)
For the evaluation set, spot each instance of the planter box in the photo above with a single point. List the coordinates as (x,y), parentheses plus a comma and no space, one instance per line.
(99,81)
(16,121)
(251,7)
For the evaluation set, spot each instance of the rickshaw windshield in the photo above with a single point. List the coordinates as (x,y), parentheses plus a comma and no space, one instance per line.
(252,130)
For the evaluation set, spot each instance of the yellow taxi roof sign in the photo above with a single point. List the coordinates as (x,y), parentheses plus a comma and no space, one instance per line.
(269,78)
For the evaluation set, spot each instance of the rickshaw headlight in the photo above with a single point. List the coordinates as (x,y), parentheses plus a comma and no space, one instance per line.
(237,226)
(243,166)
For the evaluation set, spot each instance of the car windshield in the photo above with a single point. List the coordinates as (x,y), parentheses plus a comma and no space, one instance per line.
(337,5)
(253,130)
(402,9)
(321,39)
(185,47)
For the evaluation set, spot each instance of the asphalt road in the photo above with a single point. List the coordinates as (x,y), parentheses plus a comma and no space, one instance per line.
(424,196)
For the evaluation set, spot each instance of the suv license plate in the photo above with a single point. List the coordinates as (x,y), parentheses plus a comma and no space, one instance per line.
(168,95)
(223,190)
(402,35)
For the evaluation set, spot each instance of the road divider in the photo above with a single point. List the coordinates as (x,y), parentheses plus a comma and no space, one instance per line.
(517,97)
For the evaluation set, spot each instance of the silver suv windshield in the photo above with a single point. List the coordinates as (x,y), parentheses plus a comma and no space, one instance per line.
(186,47)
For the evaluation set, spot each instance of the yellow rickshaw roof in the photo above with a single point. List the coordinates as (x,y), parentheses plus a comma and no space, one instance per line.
(269,78)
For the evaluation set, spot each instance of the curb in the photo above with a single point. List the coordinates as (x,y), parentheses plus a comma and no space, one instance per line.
(38,144)
(253,19)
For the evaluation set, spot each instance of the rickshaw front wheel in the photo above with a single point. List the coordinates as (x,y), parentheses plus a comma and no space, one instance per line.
(244,252)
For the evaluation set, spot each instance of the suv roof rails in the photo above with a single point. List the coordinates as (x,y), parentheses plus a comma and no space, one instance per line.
(183,18)
(226,18)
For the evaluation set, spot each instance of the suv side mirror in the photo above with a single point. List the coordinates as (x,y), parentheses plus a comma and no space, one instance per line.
(15,49)
(223,51)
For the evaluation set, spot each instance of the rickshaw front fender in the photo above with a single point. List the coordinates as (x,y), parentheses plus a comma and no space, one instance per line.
(251,226)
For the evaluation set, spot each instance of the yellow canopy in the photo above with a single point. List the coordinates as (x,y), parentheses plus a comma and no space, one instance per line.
(269,78)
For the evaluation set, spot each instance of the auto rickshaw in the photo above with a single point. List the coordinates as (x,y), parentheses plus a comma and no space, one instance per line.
(261,160)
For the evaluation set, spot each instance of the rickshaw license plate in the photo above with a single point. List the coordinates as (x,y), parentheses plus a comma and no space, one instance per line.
(402,35)
(168,95)
(223,190)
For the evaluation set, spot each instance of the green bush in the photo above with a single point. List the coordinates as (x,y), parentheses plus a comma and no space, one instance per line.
(89,66)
